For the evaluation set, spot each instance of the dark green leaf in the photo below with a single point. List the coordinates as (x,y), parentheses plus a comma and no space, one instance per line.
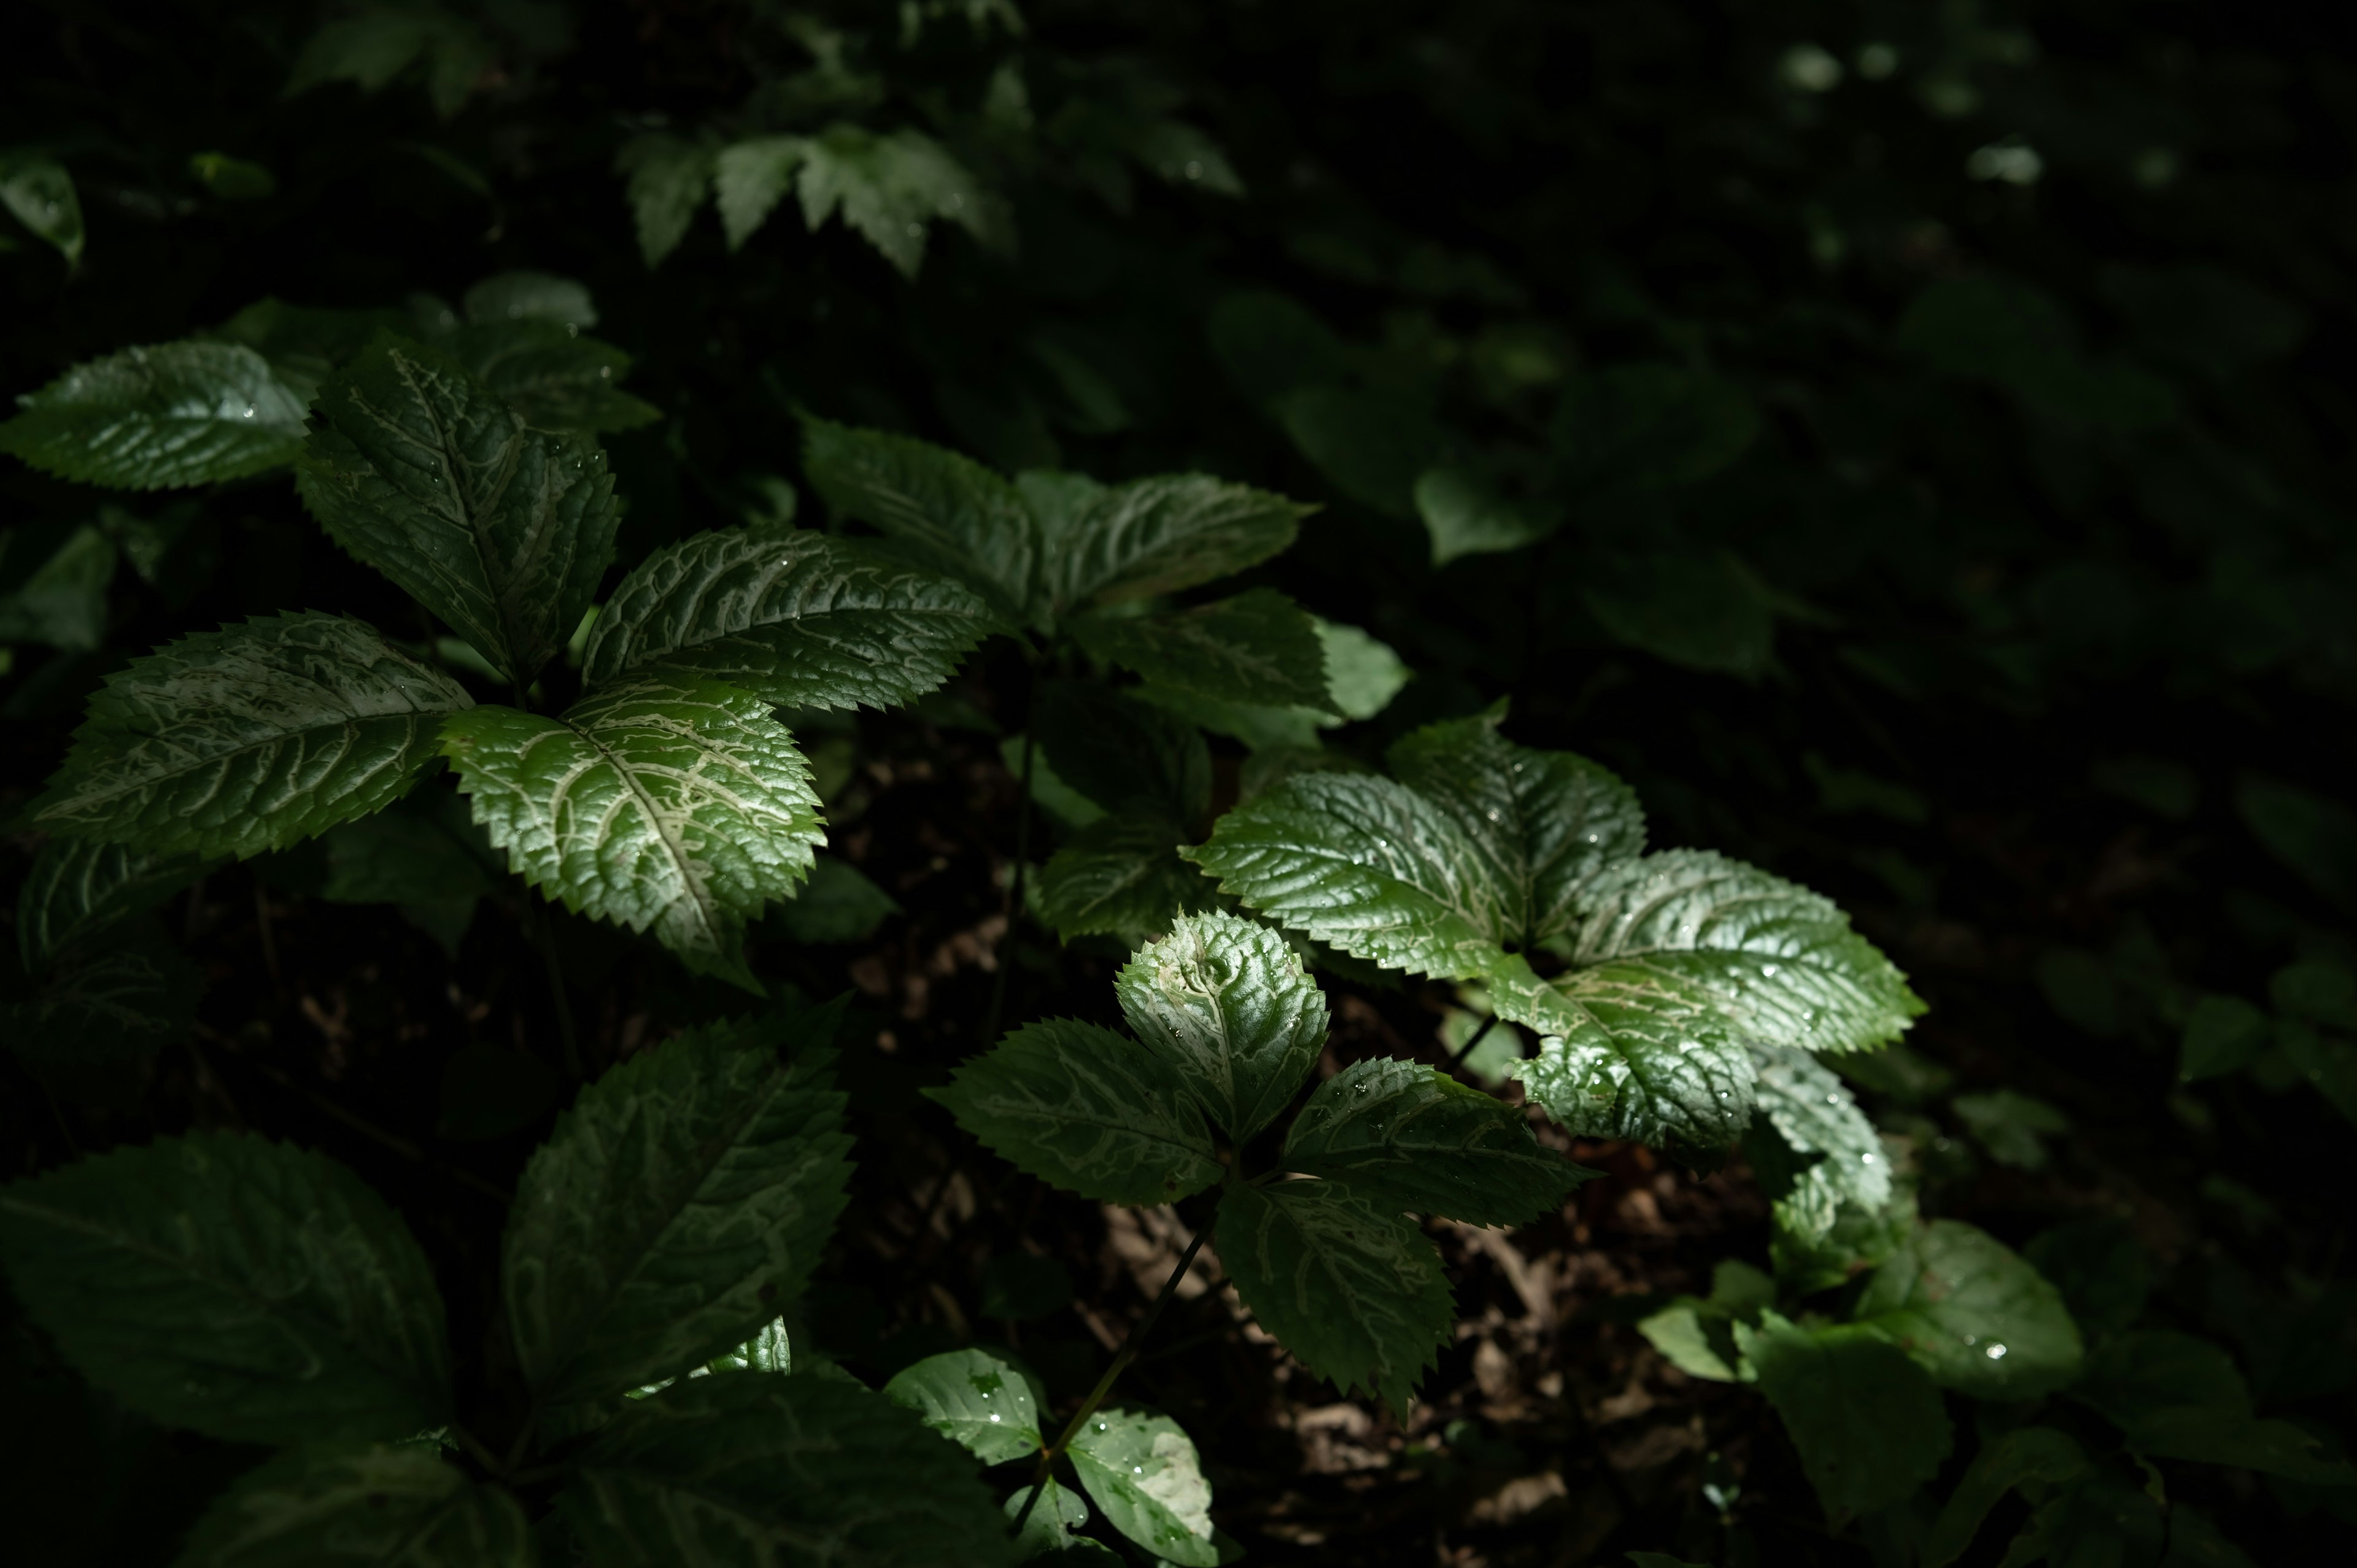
(1975,1315)
(128,992)
(551,375)
(2222,1034)
(531,296)
(1143,1471)
(1121,875)
(1084,1108)
(422,471)
(160,418)
(40,193)
(425,854)
(975,1401)
(2027,1454)
(801,619)
(890,187)
(1867,1419)
(1353,1290)
(1372,445)
(319,1506)
(1700,610)
(78,888)
(63,601)
(1048,1527)
(305,344)
(1103,545)
(1270,345)
(1258,648)
(1466,515)
(667,180)
(838,904)
(1407,1136)
(1122,752)
(948,511)
(246,1289)
(1227,1003)
(679,1204)
(1813,1113)
(1636,427)
(250,738)
(371,48)
(769,1471)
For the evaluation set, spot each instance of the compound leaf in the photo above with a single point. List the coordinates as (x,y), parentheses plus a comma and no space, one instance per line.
(974,1400)
(333,1504)
(1084,1108)
(677,1206)
(78,887)
(249,738)
(1258,646)
(800,619)
(160,418)
(1225,1001)
(1545,823)
(1365,865)
(1353,1290)
(240,1288)
(771,1472)
(1121,875)
(676,804)
(1143,1471)
(1407,1136)
(1974,1314)
(422,471)
(1867,1419)
(948,511)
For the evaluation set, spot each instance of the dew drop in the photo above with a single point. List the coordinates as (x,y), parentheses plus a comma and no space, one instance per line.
(994,1414)
(1995,1352)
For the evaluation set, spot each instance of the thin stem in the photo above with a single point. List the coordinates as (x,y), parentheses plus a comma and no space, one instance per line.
(1013,909)
(1466,1048)
(1129,1348)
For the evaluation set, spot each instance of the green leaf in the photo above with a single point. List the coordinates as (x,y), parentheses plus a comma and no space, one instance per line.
(767,1472)
(129,992)
(2177,1397)
(62,602)
(78,888)
(1108,543)
(1637,428)
(974,1400)
(750,177)
(1702,611)
(1466,515)
(1120,753)
(1270,345)
(1227,1003)
(2009,1124)
(1258,646)
(1543,823)
(1362,863)
(1087,1110)
(304,344)
(2026,1455)
(1977,1318)
(1687,1332)
(1372,445)
(1867,1421)
(422,471)
(651,803)
(838,904)
(1143,1471)
(2222,1034)
(947,511)
(553,377)
(1048,1526)
(1121,875)
(677,1206)
(159,418)
(1363,674)
(1353,1290)
(890,187)
(327,1504)
(249,738)
(370,48)
(531,296)
(40,193)
(1407,1136)
(243,1289)
(1814,1114)
(801,619)
(233,180)
(666,180)
(425,854)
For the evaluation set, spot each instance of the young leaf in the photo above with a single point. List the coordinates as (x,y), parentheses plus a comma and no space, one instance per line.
(1362,672)
(1977,1318)
(1120,753)
(1225,1001)
(948,511)
(1087,1110)
(552,376)
(1543,823)
(1406,1136)
(160,418)
(1143,1471)
(679,1204)
(754,1471)
(131,991)
(1154,536)
(1353,1290)
(78,888)
(799,619)
(240,1288)
(667,180)
(1867,1419)
(1362,863)
(975,1401)
(1258,646)
(677,804)
(422,471)
(1121,877)
(339,1503)
(249,738)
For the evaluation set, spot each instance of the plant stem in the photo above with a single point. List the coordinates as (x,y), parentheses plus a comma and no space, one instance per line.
(1466,1048)
(1012,910)
(1129,1348)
